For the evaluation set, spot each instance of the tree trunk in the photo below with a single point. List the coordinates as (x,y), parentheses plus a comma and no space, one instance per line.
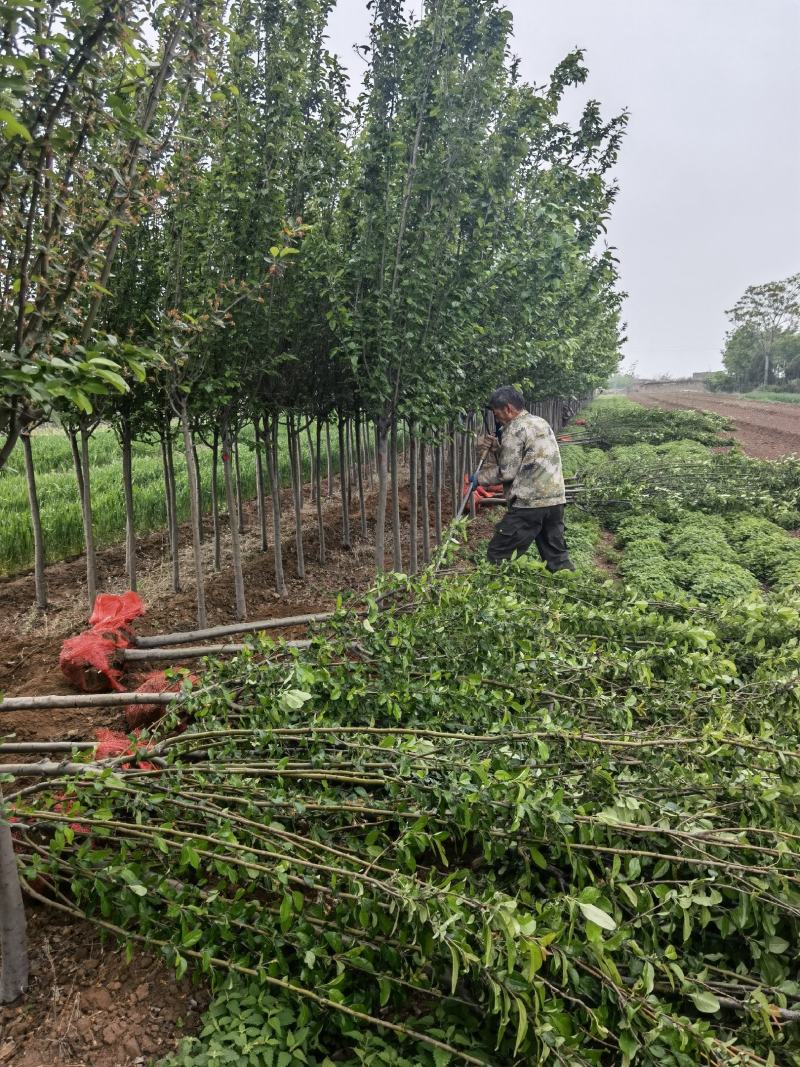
(454,468)
(426,517)
(397,549)
(382,465)
(215,501)
(172,509)
(362,504)
(88,531)
(233,522)
(369,455)
(330,457)
(130,520)
(413,562)
(260,501)
(312,465)
(271,441)
(239,497)
(39,578)
(318,491)
(194,514)
(297,494)
(343,484)
(437,493)
(13,933)
(76,460)
(199,490)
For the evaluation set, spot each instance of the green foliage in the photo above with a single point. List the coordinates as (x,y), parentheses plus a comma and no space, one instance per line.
(517,815)
(617,421)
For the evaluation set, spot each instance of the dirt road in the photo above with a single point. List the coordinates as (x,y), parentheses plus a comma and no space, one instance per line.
(767,431)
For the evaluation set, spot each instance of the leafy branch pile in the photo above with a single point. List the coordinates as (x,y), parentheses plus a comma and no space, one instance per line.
(667,480)
(620,422)
(514,819)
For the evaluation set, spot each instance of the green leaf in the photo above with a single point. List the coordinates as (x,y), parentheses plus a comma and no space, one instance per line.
(705,1002)
(598,916)
(776,945)
(12,127)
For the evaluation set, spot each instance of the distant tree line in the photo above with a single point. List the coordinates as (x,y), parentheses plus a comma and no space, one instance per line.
(762,347)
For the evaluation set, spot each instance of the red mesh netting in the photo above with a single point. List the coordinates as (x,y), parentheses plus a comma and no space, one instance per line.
(137,715)
(113,612)
(483,492)
(112,744)
(87,660)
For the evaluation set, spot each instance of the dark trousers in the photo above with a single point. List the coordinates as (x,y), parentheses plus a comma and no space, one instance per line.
(520,527)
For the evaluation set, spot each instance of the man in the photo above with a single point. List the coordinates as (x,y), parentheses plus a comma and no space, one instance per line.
(528,463)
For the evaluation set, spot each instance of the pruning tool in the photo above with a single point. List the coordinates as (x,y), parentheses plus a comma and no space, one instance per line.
(452,527)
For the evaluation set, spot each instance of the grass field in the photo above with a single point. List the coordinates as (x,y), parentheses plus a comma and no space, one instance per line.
(60,505)
(772,398)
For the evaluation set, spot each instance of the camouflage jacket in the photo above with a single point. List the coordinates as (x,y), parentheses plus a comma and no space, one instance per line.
(528,464)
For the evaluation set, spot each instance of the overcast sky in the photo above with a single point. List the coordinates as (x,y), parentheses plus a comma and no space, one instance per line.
(710,168)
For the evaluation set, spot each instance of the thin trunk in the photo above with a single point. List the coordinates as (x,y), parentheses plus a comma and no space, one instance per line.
(271,442)
(437,493)
(312,466)
(172,516)
(318,491)
(76,460)
(13,932)
(261,502)
(426,517)
(127,488)
(362,504)
(329,454)
(348,460)
(369,453)
(239,497)
(233,522)
(199,491)
(39,578)
(194,515)
(88,531)
(454,468)
(344,487)
(215,501)
(413,562)
(381,462)
(297,494)
(397,550)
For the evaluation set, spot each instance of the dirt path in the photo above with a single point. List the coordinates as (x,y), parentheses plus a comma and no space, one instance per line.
(766,431)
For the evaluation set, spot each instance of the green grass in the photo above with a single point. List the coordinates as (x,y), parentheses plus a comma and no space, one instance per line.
(772,398)
(60,506)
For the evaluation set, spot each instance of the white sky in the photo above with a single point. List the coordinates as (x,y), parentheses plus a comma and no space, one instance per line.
(710,168)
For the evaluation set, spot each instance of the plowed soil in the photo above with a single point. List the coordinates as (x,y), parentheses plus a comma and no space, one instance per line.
(766,431)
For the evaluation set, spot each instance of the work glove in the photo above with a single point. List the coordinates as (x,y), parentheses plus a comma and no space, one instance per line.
(489,442)
(473,482)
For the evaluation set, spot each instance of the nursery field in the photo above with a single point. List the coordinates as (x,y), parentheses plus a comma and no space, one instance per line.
(496,817)
(59,501)
(764,429)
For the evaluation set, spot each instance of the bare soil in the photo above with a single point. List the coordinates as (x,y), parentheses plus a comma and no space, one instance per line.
(765,431)
(87,1006)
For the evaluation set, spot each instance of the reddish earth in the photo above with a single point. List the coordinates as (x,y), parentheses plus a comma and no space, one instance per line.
(766,431)
(86,1005)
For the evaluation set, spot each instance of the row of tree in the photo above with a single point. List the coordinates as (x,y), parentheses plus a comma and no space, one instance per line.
(199,232)
(762,348)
